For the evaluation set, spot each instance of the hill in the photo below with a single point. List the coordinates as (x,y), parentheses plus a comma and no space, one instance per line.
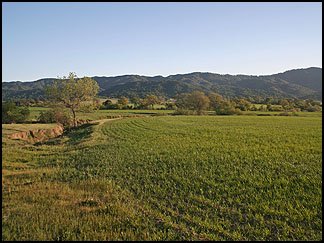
(298,83)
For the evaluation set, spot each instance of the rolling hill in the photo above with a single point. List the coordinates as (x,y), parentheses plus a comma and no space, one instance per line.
(298,83)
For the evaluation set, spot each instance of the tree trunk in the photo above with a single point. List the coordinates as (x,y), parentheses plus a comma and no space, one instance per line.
(74,119)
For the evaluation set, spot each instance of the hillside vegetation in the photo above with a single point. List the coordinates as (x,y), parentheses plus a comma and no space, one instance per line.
(299,83)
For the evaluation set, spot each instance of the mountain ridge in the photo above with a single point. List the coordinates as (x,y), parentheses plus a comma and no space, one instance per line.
(302,83)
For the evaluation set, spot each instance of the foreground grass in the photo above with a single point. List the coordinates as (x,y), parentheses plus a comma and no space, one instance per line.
(168,178)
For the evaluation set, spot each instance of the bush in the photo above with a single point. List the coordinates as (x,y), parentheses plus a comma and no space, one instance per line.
(226,108)
(170,106)
(14,114)
(276,108)
(55,116)
(313,108)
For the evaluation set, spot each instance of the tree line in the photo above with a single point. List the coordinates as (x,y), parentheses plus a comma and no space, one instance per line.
(198,102)
(77,94)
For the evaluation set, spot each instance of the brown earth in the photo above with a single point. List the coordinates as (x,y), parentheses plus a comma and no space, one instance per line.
(38,135)
(41,135)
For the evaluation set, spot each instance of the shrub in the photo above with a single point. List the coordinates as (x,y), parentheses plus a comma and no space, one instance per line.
(109,105)
(226,108)
(14,114)
(55,116)
(313,108)
(276,108)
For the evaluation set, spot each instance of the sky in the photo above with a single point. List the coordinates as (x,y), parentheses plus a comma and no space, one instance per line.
(109,39)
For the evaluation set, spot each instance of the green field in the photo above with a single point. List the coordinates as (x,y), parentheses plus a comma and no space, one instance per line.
(103,114)
(168,178)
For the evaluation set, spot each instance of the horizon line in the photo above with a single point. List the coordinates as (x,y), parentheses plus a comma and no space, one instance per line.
(120,75)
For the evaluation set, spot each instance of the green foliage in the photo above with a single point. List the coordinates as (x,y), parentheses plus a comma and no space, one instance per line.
(170,106)
(215,100)
(90,106)
(71,92)
(149,101)
(56,115)
(196,101)
(301,84)
(123,101)
(314,108)
(275,108)
(242,104)
(14,114)
(226,108)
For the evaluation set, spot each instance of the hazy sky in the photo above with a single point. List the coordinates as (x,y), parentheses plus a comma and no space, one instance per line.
(109,39)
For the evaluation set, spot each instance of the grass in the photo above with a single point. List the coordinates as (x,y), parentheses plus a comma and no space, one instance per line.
(103,114)
(168,178)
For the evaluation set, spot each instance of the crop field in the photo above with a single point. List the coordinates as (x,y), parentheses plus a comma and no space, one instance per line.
(168,178)
(102,114)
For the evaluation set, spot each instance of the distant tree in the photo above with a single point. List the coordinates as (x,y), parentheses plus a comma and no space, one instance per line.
(14,114)
(151,100)
(253,108)
(285,104)
(313,108)
(182,101)
(314,103)
(122,102)
(196,101)
(22,102)
(243,104)
(226,108)
(215,100)
(135,100)
(258,99)
(199,101)
(263,108)
(109,104)
(161,100)
(268,100)
(72,91)
(170,105)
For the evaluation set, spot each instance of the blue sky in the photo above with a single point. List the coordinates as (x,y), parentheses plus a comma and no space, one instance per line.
(109,39)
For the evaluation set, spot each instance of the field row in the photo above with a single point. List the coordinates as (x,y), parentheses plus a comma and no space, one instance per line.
(203,178)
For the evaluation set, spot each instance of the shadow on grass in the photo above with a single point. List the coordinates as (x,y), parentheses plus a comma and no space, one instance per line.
(74,136)
(77,135)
